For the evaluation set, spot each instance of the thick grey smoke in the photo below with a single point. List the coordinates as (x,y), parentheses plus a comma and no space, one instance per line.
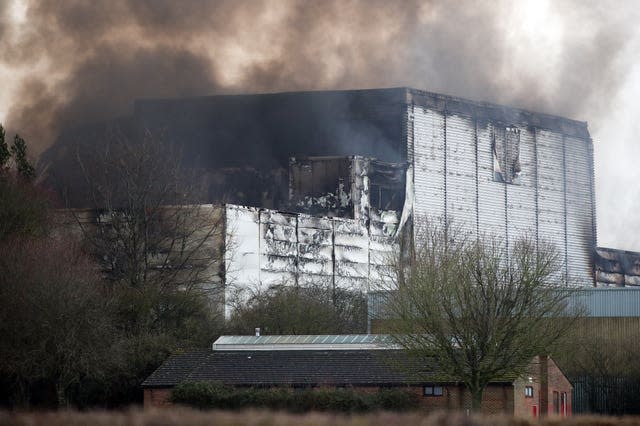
(101,55)
(3,18)
(88,61)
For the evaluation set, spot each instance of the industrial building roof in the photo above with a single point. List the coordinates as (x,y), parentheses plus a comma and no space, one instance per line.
(285,367)
(304,342)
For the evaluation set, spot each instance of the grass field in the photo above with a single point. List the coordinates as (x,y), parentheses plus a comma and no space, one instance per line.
(184,416)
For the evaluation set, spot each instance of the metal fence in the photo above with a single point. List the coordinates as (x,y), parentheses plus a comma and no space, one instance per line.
(612,395)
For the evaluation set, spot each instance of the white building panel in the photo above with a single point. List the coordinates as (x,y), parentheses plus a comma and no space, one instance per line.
(429,164)
(551,200)
(461,172)
(491,194)
(275,248)
(579,210)
(521,195)
(242,252)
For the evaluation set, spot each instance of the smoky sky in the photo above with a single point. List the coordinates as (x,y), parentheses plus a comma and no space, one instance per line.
(97,57)
(86,61)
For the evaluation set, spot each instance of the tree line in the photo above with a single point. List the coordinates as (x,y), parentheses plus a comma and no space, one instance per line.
(94,299)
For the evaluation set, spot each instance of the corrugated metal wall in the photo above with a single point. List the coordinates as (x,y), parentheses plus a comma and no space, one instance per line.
(551,208)
(551,199)
(267,247)
(460,165)
(580,218)
(429,164)
(492,216)
(609,302)
(596,303)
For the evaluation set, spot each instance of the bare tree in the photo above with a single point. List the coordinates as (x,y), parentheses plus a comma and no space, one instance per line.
(55,320)
(316,308)
(158,247)
(147,226)
(479,313)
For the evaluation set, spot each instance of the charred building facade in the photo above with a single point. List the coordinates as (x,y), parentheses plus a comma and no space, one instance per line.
(320,185)
(370,162)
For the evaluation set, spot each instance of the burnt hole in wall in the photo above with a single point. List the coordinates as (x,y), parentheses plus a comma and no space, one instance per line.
(346,187)
(321,185)
(386,185)
(506,154)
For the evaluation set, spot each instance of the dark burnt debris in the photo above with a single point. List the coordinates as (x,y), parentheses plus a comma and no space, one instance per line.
(617,268)
(346,187)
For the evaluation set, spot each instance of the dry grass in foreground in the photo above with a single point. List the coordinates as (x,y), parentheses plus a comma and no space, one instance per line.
(185,416)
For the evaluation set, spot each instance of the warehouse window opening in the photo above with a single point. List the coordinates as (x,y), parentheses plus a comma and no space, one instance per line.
(506,155)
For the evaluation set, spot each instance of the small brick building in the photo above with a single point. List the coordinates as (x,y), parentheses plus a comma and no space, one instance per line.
(362,362)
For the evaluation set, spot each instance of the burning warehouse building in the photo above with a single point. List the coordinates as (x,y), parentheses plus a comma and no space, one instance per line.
(319,185)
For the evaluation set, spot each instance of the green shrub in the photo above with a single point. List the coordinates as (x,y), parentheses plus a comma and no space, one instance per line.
(206,395)
(202,394)
(339,400)
(396,400)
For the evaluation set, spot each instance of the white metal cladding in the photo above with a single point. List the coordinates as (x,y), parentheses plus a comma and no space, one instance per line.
(538,204)
(351,251)
(461,172)
(428,127)
(579,209)
(278,248)
(242,246)
(315,249)
(521,195)
(267,247)
(551,213)
(491,194)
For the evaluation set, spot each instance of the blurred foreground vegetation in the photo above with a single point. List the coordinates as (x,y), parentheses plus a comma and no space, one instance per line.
(184,416)
(208,395)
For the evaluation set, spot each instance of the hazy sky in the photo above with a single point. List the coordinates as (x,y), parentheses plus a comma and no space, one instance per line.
(77,61)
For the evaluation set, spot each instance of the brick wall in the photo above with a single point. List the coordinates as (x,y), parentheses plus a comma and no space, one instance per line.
(157,397)
(558,384)
(524,405)
(496,399)
(549,384)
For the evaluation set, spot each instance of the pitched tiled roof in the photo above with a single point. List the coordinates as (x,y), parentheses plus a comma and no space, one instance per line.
(176,369)
(290,368)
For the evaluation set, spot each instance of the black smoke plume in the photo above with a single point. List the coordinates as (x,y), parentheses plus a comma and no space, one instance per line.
(86,61)
(96,57)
